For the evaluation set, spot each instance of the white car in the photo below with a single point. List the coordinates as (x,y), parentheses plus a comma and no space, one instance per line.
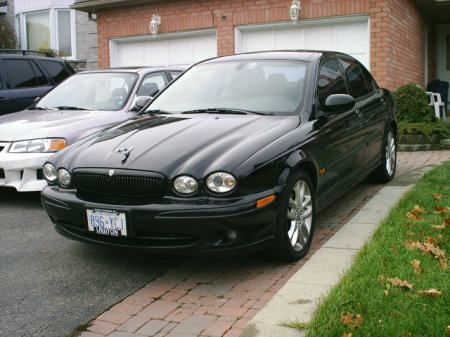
(81,105)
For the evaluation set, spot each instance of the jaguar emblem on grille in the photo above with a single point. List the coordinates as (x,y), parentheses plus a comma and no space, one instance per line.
(111,173)
(126,152)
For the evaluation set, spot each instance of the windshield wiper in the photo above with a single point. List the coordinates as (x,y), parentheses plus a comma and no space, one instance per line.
(231,111)
(151,112)
(42,108)
(66,107)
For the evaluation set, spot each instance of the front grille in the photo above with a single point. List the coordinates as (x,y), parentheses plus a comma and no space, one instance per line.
(121,183)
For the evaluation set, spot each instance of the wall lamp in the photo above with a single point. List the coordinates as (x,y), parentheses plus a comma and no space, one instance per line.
(154,25)
(294,10)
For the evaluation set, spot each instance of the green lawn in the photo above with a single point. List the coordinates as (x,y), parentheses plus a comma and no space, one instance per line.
(399,284)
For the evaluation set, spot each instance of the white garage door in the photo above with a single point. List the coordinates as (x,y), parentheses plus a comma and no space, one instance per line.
(345,34)
(164,50)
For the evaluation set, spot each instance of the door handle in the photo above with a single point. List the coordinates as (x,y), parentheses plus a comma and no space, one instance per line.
(358,113)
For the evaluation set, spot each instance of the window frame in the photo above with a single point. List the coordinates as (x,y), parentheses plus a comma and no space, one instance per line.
(21,22)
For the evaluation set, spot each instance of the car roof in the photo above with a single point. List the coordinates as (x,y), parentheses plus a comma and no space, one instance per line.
(299,55)
(138,69)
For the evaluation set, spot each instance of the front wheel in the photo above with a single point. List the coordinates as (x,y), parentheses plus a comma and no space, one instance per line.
(386,171)
(295,223)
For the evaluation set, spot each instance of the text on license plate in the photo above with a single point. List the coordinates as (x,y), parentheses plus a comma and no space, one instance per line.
(106,222)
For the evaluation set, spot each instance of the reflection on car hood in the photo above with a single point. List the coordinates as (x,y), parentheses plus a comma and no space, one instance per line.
(31,124)
(178,144)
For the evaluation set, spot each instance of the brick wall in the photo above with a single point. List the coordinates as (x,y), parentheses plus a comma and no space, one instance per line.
(397,36)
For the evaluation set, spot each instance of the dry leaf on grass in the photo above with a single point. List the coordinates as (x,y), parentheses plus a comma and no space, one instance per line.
(381,278)
(439,196)
(439,227)
(419,210)
(447,222)
(352,321)
(431,292)
(414,216)
(441,210)
(448,330)
(399,283)
(347,334)
(416,266)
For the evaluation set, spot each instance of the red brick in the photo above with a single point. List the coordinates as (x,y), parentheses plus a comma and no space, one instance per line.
(189,298)
(126,308)
(231,311)
(150,292)
(133,324)
(217,329)
(179,315)
(234,332)
(138,300)
(172,296)
(114,317)
(159,309)
(152,328)
(103,328)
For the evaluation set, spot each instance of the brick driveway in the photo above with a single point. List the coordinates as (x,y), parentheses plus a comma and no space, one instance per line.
(218,296)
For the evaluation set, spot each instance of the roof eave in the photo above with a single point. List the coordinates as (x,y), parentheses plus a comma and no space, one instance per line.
(93,5)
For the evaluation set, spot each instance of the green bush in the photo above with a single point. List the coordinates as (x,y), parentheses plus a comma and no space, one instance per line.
(412,104)
(440,128)
(7,35)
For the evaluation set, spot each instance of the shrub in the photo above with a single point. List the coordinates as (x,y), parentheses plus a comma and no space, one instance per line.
(412,104)
(7,35)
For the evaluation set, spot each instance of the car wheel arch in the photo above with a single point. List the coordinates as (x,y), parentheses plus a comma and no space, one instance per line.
(298,161)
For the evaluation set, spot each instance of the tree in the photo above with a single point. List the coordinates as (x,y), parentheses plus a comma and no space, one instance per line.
(7,35)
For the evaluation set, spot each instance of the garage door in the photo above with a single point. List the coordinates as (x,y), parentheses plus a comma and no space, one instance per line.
(345,34)
(164,50)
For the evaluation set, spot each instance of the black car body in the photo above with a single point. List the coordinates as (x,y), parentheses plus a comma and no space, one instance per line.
(229,166)
(25,77)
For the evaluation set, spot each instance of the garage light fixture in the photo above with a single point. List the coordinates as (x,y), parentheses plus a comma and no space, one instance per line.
(294,10)
(154,25)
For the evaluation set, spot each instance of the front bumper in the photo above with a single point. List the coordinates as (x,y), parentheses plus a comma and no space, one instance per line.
(22,171)
(171,225)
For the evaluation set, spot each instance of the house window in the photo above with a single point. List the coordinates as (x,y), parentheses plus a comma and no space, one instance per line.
(49,29)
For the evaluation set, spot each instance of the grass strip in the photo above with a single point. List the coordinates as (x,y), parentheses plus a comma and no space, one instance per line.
(399,284)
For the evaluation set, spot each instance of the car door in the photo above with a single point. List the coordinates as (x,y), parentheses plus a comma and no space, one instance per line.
(370,104)
(341,144)
(25,82)
(4,93)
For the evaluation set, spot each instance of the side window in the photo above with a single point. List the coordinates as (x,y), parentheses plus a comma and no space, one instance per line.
(20,74)
(331,81)
(55,70)
(42,80)
(369,80)
(358,85)
(151,84)
(174,74)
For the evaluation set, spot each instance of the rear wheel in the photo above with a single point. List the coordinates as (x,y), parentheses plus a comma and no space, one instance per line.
(386,171)
(295,222)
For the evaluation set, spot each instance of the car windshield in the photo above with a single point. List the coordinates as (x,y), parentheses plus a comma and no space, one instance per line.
(90,91)
(274,87)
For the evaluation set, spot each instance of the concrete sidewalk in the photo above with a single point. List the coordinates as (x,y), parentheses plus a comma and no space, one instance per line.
(299,297)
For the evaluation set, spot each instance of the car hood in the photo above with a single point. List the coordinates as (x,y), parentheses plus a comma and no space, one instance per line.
(172,145)
(32,124)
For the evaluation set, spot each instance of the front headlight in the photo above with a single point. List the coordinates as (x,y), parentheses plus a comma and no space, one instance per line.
(221,182)
(64,178)
(185,185)
(38,145)
(49,172)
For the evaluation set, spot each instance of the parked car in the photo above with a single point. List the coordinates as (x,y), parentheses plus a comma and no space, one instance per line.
(25,76)
(83,104)
(239,153)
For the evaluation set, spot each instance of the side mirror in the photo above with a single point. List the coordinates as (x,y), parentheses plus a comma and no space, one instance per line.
(338,103)
(140,102)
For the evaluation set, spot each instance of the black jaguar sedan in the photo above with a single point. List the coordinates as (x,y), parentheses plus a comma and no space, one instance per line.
(239,153)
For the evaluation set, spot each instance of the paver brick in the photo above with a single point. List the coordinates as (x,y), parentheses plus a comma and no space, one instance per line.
(234,303)
(133,324)
(138,300)
(172,296)
(150,292)
(101,327)
(187,285)
(218,328)
(126,308)
(194,324)
(152,327)
(189,298)
(234,332)
(206,310)
(159,309)
(231,311)
(241,323)
(114,317)
(121,334)
(161,285)
(90,334)
(179,315)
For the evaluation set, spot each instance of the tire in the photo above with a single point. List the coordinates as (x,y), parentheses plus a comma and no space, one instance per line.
(386,171)
(296,217)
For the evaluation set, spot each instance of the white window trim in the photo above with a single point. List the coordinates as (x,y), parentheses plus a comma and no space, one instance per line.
(53,21)
(238,30)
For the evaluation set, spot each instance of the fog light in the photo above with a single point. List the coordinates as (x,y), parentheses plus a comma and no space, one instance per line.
(231,235)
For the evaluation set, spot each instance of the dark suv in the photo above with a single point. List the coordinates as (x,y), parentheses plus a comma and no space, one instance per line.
(25,76)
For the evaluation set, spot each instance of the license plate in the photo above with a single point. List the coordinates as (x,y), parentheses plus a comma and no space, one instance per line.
(106,222)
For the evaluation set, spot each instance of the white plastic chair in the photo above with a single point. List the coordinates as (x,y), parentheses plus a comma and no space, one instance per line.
(437,104)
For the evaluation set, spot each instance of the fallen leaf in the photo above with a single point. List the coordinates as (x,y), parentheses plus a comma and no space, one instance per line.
(414,216)
(381,278)
(447,222)
(399,283)
(408,233)
(347,334)
(416,266)
(431,292)
(386,292)
(438,196)
(444,264)
(439,227)
(419,210)
(448,330)
(414,245)
(350,321)
(441,210)
(430,240)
